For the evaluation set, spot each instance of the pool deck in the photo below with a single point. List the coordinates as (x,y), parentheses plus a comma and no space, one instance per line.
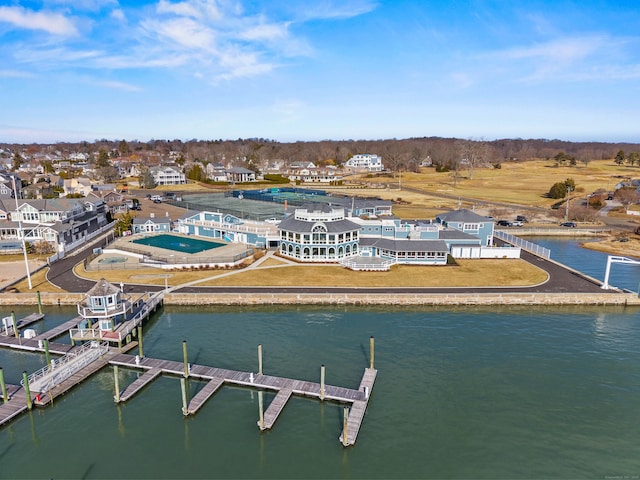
(134,252)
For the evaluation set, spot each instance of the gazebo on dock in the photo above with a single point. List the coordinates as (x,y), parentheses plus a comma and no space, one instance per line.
(106,305)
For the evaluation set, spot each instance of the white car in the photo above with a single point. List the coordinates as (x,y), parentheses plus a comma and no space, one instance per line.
(517,223)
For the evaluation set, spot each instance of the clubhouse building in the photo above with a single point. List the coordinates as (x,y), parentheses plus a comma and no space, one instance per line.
(321,233)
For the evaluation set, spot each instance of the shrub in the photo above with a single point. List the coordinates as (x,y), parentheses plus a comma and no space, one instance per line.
(558,190)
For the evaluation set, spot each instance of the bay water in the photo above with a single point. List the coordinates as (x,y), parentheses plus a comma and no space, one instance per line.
(510,392)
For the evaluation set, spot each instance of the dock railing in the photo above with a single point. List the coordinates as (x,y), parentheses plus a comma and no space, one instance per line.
(523,244)
(51,375)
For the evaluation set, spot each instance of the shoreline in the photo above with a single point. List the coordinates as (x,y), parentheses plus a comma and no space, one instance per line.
(606,298)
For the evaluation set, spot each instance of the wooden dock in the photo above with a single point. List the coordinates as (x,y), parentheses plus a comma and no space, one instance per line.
(33,345)
(59,330)
(284,388)
(17,403)
(140,383)
(359,407)
(275,407)
(203,395)
(21,323)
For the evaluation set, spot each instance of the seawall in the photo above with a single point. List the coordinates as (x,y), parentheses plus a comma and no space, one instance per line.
(399,299)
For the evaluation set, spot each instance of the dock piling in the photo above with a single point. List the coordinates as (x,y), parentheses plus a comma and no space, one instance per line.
(183,385)
(261,408)
(186,359)
(3,386)
(141,353)
(116,397)
(322,382)
(39,302)
(25,378)
(371,352)
(260,359)
(16,333)
(46,352)
(345,422)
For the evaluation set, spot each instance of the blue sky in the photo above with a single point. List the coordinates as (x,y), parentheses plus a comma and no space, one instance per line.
(289,70)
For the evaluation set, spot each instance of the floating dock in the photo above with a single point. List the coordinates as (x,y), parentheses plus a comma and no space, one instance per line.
(285,388)
(21,323)
(80,362)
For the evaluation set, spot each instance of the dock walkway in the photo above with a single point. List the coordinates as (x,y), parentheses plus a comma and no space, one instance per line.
(140,383)
(16,405)
(284,387)
(33,345)
(59,330)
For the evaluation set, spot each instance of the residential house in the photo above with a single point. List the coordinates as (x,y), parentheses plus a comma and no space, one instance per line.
(63,222)
(81,185)
(365,161)
(240,175)
(151,225)
(167,175)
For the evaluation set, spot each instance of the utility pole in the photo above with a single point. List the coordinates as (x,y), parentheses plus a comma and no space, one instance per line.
(566,215)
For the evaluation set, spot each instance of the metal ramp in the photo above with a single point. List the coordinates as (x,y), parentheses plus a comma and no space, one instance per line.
(66,366)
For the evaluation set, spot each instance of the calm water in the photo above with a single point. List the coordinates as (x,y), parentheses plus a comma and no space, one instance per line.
(591,262)
(461,393)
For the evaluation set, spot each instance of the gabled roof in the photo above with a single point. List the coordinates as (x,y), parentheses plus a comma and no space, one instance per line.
(155,220)
(102,288)
(463,215)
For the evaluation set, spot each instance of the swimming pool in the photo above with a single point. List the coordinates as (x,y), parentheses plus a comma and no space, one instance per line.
(178,244)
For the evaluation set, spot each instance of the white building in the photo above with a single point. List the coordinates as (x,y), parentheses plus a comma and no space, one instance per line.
(167,176)
(366,161)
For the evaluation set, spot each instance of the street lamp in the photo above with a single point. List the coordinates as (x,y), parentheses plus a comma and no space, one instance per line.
(21,232)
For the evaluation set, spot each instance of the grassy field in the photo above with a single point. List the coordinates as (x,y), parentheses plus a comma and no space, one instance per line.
(522,183)
(277,273)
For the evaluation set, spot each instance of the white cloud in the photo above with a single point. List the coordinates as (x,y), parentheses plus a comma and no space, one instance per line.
(86,5)
(568,59)
(182,32)
(120,86)
(50,22)
(117,14)
(561,50)
(326,9)
(15,74)
(196,9)
(270,32)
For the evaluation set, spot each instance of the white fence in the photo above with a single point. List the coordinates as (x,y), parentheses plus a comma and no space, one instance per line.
(523,244)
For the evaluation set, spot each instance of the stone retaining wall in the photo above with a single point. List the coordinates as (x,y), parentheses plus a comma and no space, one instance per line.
(605,298)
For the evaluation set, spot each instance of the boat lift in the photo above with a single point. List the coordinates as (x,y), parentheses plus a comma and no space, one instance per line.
(615,259)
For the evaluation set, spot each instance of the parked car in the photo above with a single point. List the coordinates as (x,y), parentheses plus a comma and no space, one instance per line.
(157,200)
(569,224)
(504,223)
(522,218)
(517,223)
